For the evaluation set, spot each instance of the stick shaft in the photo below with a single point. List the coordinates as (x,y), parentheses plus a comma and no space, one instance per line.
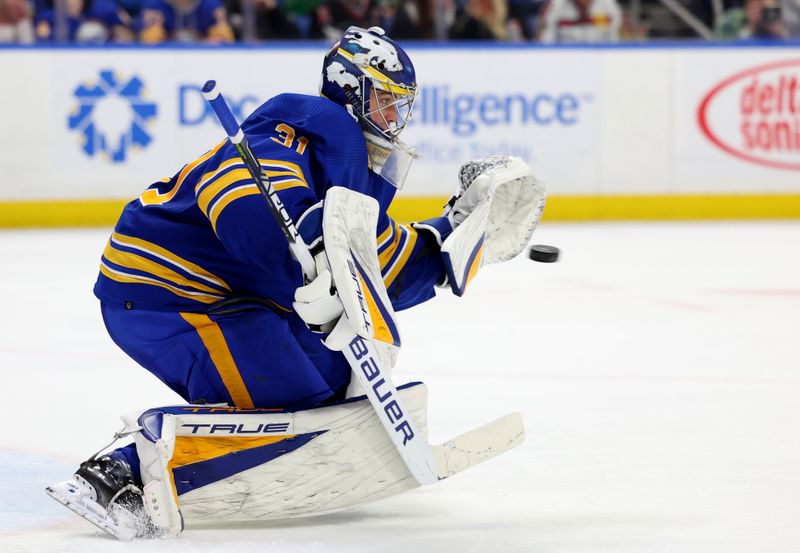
(239,140)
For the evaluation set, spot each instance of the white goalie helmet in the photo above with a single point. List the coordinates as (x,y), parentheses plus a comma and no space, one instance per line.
(370,75)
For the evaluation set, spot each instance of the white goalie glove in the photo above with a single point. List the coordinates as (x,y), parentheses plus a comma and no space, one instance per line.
(320,307)
(348,297)
(494,212)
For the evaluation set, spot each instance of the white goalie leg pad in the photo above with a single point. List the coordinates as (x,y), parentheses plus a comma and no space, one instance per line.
(499,207)
(231,464)
(155,445)
(223,463)
(349,224)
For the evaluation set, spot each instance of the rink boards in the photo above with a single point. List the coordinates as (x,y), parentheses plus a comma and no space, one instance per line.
(617,132)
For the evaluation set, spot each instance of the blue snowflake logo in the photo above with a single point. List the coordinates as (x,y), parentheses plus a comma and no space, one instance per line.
(112,116)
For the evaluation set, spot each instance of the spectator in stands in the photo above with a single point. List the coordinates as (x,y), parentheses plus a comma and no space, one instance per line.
(523,15)
(45,22)
(184,21)
(300,12)
(791,17)
(764,19)
(105,22)
(271,19)
(704,9)
(272,22)
(759,19)
(480,20)
(581,21)
(16,22)
(385,12)
(406,19)
(334,16)
(131,7)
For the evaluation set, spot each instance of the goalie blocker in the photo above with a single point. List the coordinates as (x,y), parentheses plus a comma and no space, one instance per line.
(218,463)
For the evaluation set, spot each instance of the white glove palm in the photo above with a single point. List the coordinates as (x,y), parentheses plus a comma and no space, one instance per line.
(516,200)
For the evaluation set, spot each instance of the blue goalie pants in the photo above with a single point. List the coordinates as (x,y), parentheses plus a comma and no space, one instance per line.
(249,358)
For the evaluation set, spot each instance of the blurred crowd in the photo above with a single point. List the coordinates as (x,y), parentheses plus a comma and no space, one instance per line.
(225,21)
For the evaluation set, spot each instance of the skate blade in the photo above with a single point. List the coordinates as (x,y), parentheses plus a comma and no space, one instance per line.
(70,495)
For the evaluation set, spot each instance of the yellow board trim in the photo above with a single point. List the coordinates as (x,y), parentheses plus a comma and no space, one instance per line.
(662,207)
(211,335)
(677,207)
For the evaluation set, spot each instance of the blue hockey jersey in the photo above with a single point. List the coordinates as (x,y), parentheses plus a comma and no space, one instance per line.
(207,235)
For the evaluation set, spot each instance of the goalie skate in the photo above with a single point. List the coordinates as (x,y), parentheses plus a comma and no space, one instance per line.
(118,522)
(102,492)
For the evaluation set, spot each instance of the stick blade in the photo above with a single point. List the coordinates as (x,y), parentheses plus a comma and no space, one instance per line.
(479,445)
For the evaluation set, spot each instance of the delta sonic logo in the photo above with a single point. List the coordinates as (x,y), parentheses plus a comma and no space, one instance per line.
(111,116)
(754,115)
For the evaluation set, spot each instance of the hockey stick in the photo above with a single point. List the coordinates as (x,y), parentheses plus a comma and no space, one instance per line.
(360,353)
(427,464)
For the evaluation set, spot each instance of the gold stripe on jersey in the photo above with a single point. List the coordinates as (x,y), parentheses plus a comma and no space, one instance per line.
(386,234)
(214,341)
(405,254)
(129,260)
(228,197)
(152,196)
(210,191)
(210,194)
(127,278)
(292,169)
(157,251)
(386,255)
(285,165)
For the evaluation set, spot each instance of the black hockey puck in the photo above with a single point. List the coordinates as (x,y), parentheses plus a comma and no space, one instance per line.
(543,254)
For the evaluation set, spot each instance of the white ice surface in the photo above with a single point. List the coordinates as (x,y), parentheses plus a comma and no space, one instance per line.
(657,367)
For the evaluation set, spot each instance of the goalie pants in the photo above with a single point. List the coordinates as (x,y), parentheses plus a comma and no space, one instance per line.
(253,358)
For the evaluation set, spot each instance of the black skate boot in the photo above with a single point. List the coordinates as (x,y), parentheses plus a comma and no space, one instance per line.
(103,492)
